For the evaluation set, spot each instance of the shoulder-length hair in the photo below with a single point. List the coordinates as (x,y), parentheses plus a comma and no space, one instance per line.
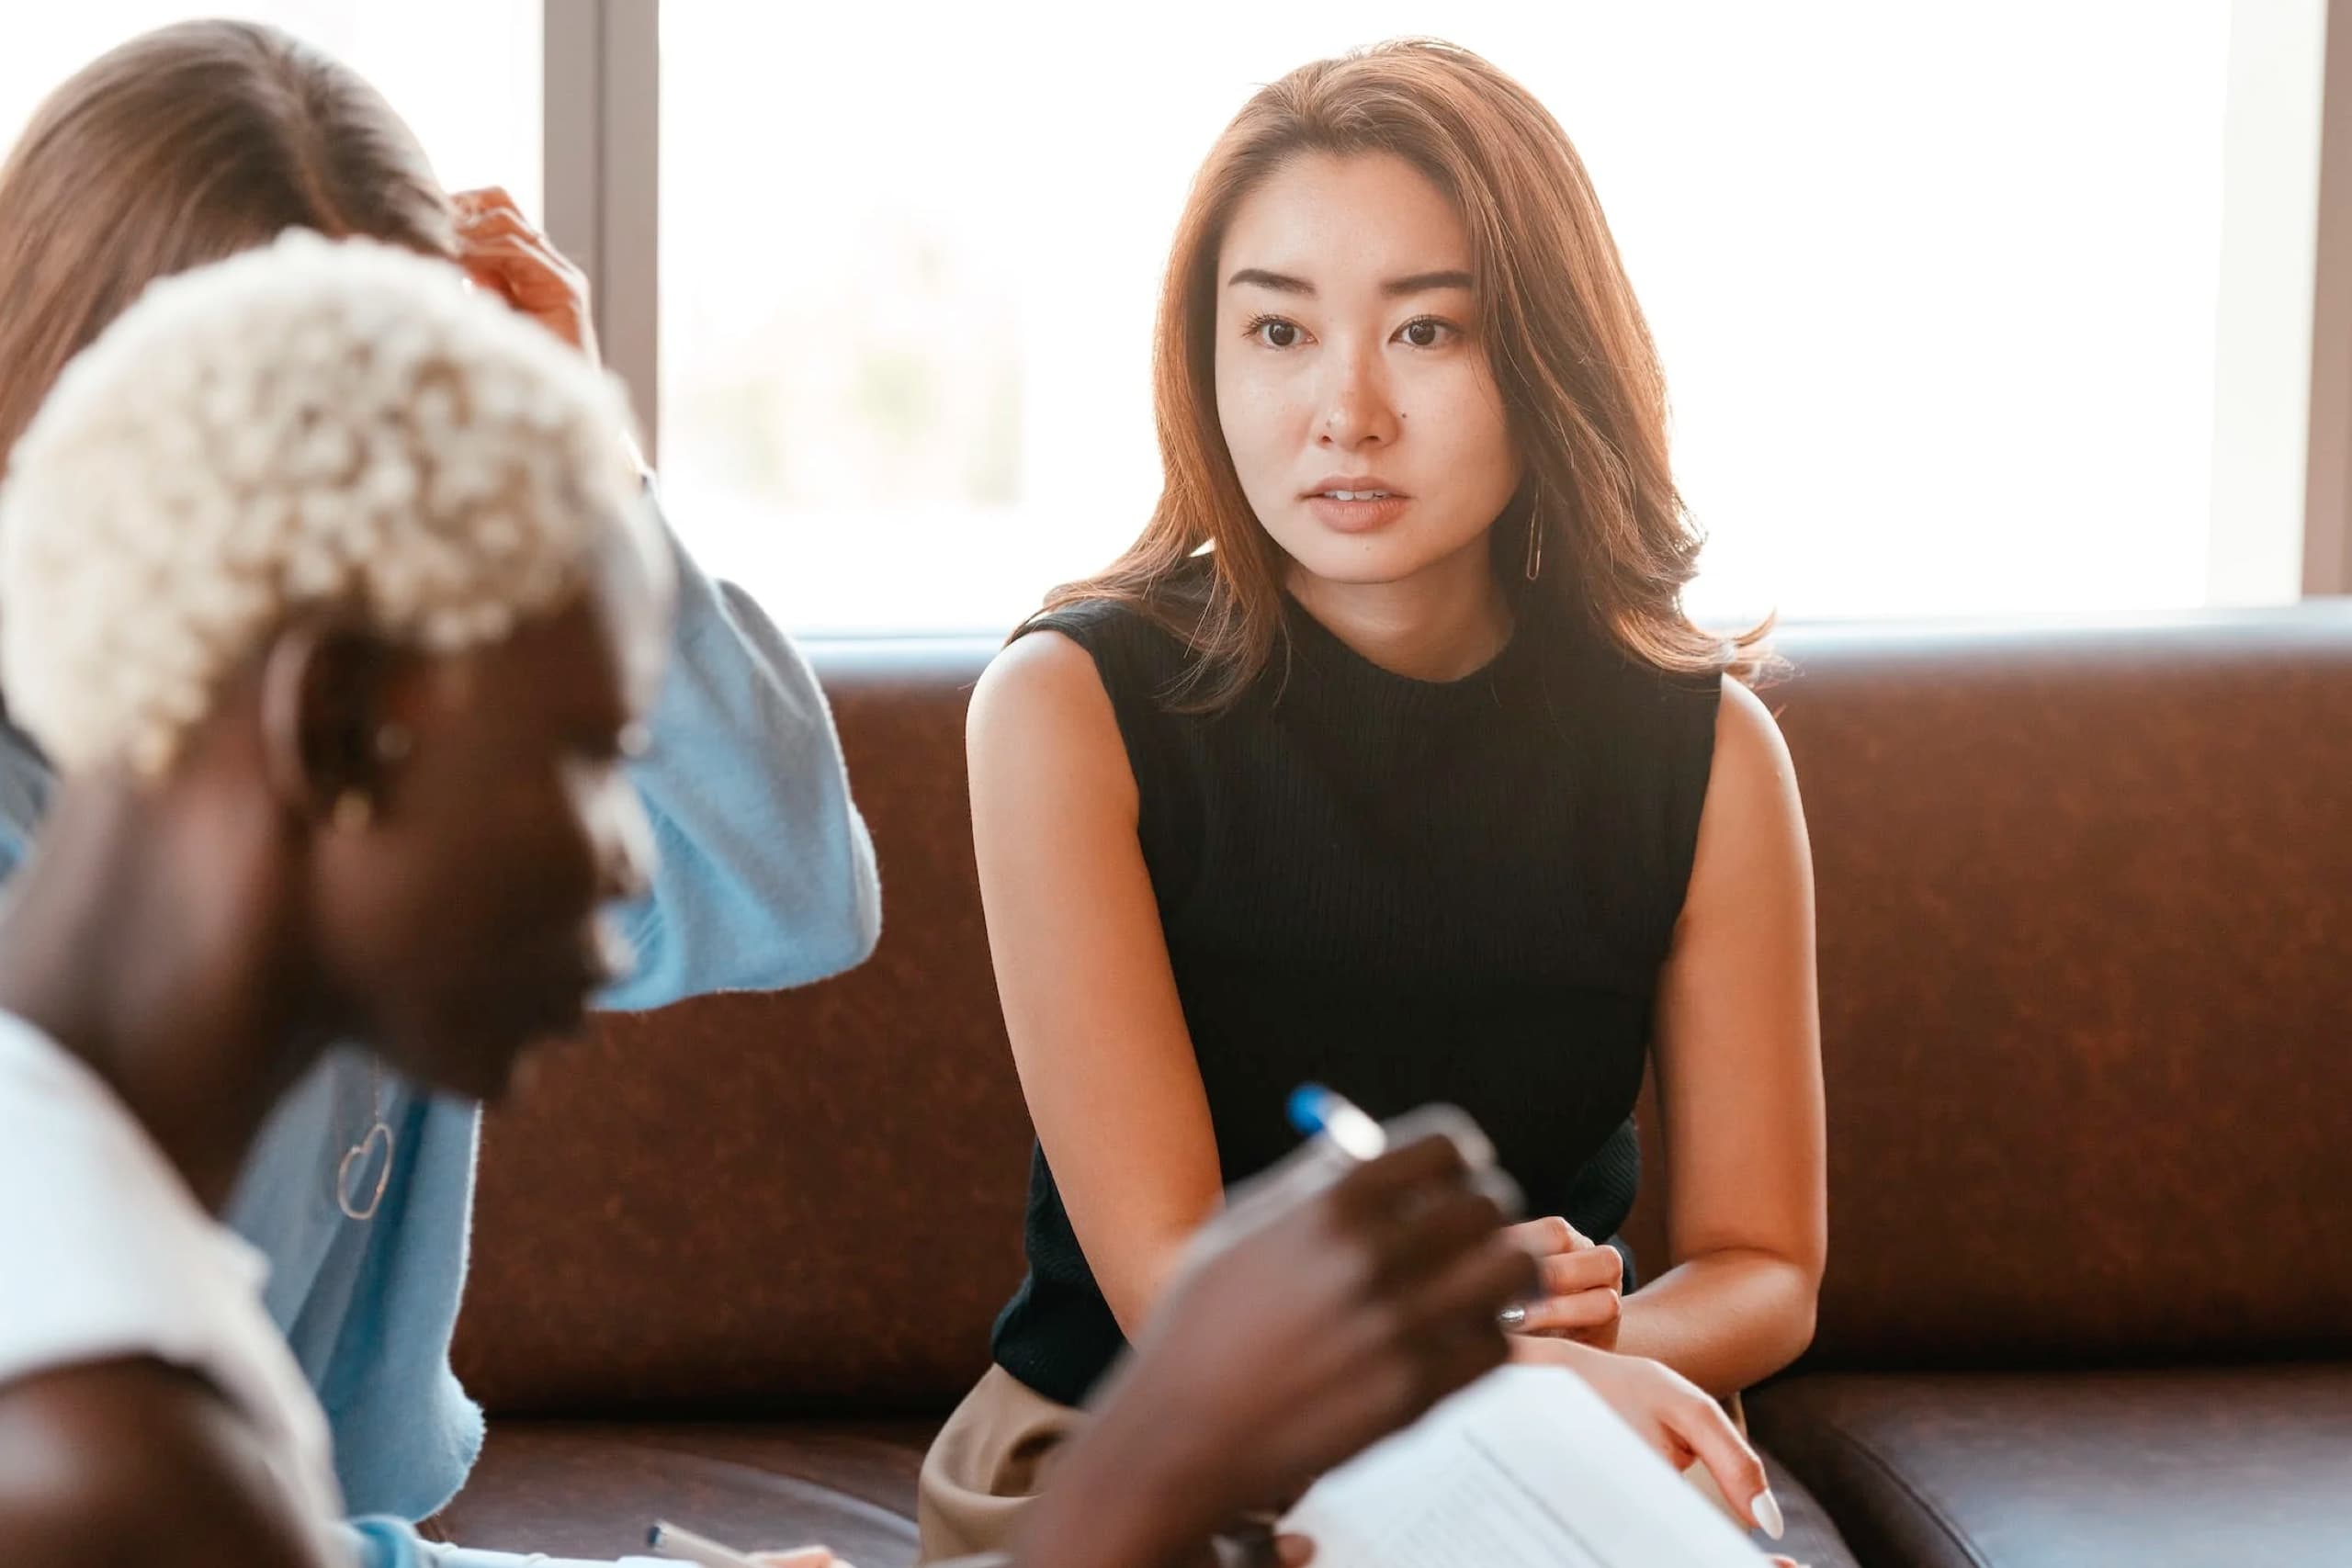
(1569,349)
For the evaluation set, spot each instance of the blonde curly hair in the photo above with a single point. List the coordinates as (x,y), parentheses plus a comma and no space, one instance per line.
(315,424)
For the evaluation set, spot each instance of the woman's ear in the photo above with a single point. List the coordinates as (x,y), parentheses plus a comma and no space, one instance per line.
(329,738)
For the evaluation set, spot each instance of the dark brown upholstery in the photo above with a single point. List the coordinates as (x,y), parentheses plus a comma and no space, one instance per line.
(2215,1465)
(2085,915)
(590,1488)
(2085,900)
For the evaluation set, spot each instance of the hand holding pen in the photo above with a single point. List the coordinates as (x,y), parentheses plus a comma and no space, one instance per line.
(1331,1302)
(1663,1408)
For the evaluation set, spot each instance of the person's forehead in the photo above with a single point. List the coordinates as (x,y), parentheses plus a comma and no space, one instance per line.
(1362,217)
(595,661)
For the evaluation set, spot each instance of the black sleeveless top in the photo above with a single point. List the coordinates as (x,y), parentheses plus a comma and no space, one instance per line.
(1409,891)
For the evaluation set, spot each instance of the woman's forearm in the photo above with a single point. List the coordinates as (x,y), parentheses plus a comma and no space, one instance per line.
(1725,1320)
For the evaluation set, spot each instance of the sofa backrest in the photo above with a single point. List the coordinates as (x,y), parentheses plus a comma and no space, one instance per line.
(2086,924)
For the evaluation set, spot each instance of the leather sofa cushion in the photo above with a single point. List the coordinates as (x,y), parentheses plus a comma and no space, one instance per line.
(590,1488)
(2193,1468)
(2084,897)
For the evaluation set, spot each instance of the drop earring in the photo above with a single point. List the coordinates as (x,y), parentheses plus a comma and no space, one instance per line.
(1535,538)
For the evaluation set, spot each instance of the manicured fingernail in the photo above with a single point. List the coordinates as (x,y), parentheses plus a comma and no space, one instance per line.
(1512,1319)
(1767,1509)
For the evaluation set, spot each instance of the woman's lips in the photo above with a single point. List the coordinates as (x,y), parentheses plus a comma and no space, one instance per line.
(1357,516)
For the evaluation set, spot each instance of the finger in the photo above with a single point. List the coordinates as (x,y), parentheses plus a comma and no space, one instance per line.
(1545,1236)
(507,223)
(1566,1314)
(1701,1424)
(527,277)
(1594,1268)
(1416,1168)
(1469,1294)
(801,1557)
(484,198)
(1451,1122)
(1448,1122)
(1429,1238)
(515,252)
(500,224)
(477,213)
(1451,1359)
(491,280)
(1294,1551)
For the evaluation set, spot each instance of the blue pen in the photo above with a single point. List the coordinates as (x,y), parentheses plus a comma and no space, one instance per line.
(1315,1111)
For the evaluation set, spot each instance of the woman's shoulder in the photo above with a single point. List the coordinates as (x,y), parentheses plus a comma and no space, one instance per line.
(1090,678)
(1129,626)
(1136,642)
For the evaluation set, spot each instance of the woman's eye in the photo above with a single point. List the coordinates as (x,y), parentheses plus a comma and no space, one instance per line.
(1427,332)
(1275,332)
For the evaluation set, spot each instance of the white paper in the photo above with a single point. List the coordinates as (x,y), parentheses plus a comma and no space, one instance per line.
(1525,1469)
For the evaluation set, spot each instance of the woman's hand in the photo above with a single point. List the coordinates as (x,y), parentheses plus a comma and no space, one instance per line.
(501,250)
(1672,1415)
(1583,1284)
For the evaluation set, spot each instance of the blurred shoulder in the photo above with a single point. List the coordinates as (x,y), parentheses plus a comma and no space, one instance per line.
(132,1461)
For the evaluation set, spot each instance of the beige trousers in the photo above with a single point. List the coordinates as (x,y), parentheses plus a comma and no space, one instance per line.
(985,1464)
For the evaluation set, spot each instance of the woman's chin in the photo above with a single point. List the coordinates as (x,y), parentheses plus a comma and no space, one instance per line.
(1365,562)
(1398,553)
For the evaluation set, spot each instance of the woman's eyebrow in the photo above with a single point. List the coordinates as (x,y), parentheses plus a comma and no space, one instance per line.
(1395,288)
(1428,282)
(1279,282)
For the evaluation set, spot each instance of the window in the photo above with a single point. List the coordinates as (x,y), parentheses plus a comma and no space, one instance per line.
(1936,286)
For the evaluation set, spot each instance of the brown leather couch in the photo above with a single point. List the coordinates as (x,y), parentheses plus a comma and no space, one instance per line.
(2085,916)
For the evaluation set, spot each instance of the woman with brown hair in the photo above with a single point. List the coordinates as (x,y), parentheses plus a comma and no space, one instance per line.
(1387,757)
(193,144)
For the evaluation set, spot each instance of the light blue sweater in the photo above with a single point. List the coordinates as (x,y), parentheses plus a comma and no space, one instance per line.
(766,881)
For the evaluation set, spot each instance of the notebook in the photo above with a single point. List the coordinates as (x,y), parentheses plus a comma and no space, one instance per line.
(1528,1468)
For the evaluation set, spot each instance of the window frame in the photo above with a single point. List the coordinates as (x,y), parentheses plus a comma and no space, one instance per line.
(2327,504)
(602,61)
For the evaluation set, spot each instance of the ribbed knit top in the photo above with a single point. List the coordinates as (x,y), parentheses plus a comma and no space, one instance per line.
(1412,891)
